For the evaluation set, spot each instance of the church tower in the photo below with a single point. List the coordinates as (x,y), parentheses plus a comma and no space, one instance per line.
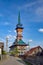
(19,29)
(19,43)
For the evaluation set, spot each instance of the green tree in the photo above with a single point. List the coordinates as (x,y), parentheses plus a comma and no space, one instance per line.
(14,52)
(4,52)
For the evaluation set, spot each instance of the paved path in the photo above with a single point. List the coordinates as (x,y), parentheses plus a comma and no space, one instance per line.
(12,61)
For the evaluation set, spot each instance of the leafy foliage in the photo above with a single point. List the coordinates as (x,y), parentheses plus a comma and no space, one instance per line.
(4,52)
(14,52)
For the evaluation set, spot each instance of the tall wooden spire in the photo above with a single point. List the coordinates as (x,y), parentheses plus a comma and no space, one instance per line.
(19,18)
(19,25)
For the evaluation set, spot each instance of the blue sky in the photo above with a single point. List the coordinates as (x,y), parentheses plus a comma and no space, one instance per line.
(31,12)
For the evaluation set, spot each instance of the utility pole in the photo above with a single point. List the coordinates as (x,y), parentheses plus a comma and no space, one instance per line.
(6,44)
(7,47)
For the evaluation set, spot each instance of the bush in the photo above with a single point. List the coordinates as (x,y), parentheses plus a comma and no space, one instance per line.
(4,53)
(14,52)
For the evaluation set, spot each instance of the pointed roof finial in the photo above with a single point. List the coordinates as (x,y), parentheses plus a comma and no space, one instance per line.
(19,18)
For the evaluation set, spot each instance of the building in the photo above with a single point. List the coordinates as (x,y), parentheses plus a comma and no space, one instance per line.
(34,51)
(19,43)
(1,47)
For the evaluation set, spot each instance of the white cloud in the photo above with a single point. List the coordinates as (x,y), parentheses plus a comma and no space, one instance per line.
(40,1)
(9,31)
(14,37)
(15,31)
(9,36)
(27,5)
(34,8)
(31,4)
(6,23)
(40,30)
(30,40)
(39,11)
(2,40)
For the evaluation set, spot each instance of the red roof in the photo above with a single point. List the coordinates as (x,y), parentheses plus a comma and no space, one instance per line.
(31,50)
